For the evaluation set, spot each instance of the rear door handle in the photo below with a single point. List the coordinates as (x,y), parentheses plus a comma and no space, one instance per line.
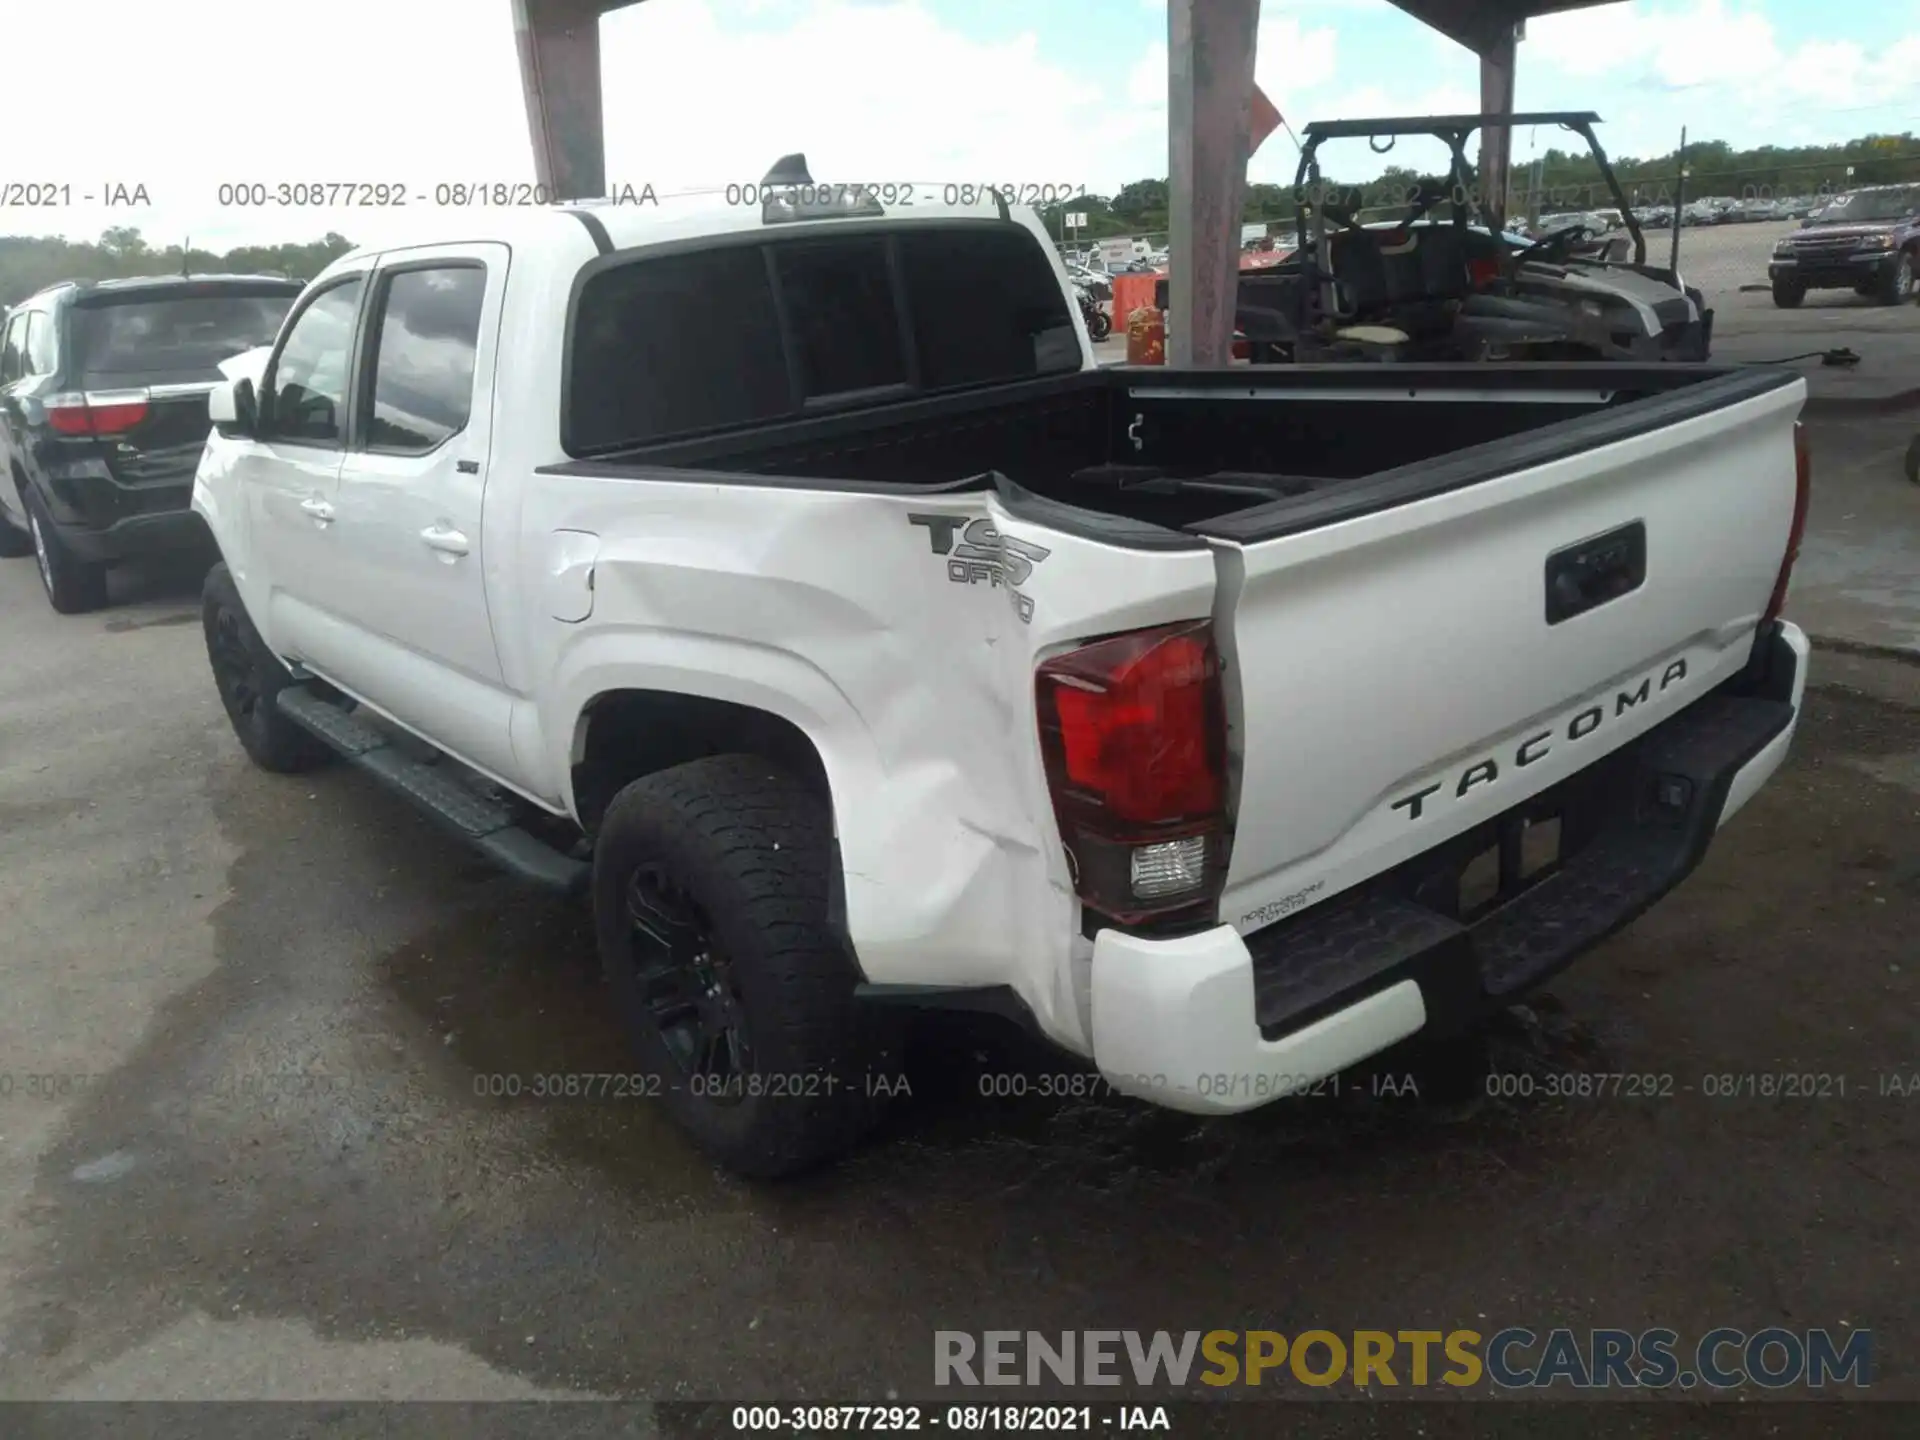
(319,509)
(447,542)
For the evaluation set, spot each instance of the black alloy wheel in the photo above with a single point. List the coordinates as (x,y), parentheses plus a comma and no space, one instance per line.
(235,671)
(688,987)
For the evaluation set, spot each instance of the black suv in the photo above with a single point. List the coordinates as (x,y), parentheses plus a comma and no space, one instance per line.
(1867,241)
(103,415)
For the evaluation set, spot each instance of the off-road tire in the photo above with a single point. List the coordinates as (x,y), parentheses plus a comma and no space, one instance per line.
(1788,294)
(752,848)
(1896,282)
(249,678)
(74,586)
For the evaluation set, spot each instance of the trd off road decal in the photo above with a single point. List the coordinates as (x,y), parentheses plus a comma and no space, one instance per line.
(983,553)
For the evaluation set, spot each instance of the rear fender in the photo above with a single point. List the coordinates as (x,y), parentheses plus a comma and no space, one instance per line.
(883,626)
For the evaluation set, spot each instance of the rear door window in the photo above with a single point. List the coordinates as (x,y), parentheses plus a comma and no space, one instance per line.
(424,361)
(175,335)
(13,352)
(39,356)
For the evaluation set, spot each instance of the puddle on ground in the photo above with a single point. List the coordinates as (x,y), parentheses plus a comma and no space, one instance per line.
(106,1169)
(516,1004)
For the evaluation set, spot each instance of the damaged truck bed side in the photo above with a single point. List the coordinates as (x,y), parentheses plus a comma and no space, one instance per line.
(857,643)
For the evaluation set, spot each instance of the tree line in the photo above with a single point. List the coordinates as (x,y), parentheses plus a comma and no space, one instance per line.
(1560,179)
(29,263)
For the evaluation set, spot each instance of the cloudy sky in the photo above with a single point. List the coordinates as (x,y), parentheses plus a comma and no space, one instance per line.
(703,92)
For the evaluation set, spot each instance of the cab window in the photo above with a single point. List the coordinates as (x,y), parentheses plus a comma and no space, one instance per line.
(308,380)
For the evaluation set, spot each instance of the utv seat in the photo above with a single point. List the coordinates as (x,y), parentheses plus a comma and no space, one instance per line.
(1409,279)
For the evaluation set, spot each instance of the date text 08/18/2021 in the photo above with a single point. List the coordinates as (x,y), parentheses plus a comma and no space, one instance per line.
(894,1418)
(391,192)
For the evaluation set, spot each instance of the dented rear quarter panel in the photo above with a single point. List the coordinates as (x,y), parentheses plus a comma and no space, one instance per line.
(900,632)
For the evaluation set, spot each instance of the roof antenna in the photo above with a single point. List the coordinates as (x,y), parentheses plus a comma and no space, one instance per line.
(789,170)
(186,258)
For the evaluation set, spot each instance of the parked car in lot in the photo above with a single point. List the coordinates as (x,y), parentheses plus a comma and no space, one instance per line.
(796,585)
(1867,241)
(1593,223)
(103,413)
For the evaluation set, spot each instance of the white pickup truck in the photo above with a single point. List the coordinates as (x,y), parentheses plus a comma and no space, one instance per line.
(792,579)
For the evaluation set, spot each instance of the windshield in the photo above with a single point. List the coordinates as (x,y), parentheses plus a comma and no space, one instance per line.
(1875,205)
(174,333)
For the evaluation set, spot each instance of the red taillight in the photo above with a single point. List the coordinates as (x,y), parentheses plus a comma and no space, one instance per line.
(67,415)
(97,412)
(1134,735)
(1802,493)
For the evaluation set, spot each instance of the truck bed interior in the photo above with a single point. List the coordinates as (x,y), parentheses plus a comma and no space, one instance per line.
(1188,449)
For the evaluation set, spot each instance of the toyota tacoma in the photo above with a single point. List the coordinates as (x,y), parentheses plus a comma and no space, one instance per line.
(792,583)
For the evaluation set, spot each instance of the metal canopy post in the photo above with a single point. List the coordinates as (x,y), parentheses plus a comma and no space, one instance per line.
(1492,30)
(559,44)
(1209,121)
(1496,141)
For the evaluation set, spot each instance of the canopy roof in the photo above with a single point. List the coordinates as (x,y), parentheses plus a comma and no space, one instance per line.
(1447,124)
(1479,24)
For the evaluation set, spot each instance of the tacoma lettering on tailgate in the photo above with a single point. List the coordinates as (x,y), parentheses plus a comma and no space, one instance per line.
(1534,748)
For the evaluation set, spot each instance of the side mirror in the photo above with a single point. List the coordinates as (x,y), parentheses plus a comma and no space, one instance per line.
(232,408)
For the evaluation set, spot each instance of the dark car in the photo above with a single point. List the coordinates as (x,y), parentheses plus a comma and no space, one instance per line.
(103,415)
(1867,241)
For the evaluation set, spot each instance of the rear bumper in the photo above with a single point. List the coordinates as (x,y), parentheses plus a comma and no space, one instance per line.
(168,532)
(1216,1022)
(104,516)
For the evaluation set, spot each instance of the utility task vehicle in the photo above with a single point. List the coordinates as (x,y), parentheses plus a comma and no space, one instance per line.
(796,585)
(1445,281)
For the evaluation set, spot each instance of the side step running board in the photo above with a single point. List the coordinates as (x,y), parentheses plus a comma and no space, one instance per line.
(481,822)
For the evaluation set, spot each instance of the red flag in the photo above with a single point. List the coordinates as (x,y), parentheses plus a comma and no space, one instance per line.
(1265,120)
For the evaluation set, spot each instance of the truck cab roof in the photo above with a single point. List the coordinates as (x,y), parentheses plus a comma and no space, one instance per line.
(630,223)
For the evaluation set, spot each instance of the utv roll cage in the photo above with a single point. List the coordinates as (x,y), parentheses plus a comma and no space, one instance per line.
(1454,131)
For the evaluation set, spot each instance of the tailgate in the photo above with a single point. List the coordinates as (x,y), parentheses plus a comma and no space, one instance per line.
(161,447)
(147,358)
(1400,676)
